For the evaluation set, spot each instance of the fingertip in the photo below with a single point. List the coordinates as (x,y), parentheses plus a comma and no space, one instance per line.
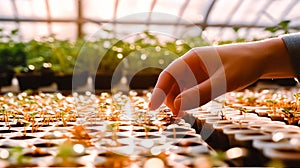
(174,110)
(177,102)
(157,98)
(150,106)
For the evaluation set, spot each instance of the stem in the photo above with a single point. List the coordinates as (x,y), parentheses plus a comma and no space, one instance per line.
(174,133)
(24,134)
(115,137)
(5,119)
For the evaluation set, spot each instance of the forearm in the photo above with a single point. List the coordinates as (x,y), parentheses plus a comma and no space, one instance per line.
(269,58)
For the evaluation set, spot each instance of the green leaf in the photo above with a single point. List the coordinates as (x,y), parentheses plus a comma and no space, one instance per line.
(150,36)
(236,28)
(14,32)
(297,95)
(284,23)
(147,128)
(271,101)
(272,29)
(34,114)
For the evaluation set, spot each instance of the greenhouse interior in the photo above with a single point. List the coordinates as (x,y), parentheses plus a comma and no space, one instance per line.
(78,81)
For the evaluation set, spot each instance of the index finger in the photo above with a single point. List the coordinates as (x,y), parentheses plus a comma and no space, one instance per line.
(161,89)
(174,73)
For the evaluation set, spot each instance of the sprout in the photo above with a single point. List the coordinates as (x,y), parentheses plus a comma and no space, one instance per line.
(16,154)
(26,124)
(147,130)
(113,127)
(289,114)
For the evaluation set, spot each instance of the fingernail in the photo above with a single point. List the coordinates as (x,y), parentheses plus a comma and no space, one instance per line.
(157,99)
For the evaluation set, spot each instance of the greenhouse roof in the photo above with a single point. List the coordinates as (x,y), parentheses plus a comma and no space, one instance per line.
(216,19)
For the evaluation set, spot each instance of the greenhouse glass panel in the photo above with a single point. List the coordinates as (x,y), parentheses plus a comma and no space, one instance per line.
(221,11)
(279,9)
(180,14)
(164,7)
(196,10)
(34,30)
(293,12)
(31,9)
(8,25)
(90,28)
(127,30)
(64,30)
(129,7)
(95,9)
(6,9)
(248,12)
(66,9)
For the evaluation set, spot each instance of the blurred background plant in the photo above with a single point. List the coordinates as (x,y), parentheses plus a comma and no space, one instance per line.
(139,58)
(12,54)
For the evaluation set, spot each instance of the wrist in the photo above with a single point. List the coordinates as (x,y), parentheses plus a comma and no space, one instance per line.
(276,59)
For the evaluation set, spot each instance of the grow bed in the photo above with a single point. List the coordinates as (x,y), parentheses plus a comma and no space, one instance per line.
(262,125)
(89,130)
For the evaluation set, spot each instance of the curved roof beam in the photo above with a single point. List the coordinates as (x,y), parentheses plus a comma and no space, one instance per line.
(150,13)
(231,14)
(16,13)
(115,9)
(115,15)
(234,10)
(288,9)
(79,18)
(261,12)
(180,14)
(208,13)
(48,16)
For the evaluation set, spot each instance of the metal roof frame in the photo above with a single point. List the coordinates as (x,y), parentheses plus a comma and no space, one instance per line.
(81,20)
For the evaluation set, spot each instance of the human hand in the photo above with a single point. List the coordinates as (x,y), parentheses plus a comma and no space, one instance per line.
(205,73)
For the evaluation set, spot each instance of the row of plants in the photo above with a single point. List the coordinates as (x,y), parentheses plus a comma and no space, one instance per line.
(54,134)
(47,59)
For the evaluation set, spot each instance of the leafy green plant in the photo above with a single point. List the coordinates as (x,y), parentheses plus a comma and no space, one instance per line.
(272,104)
(16,156)
(281,26)
(65,154)
(64,54)
(12,52)
(149,54)
(38,56)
